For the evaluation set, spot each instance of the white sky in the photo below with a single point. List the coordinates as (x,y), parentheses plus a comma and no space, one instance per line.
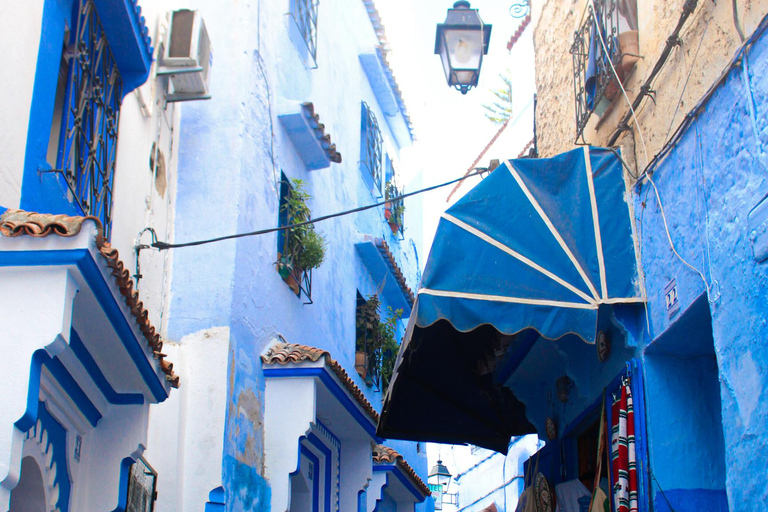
(451,128)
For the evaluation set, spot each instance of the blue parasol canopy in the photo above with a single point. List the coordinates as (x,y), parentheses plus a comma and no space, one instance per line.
(539,245)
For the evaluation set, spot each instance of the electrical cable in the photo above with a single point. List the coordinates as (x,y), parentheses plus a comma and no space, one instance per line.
(687,78)
(165,245)
(621,86)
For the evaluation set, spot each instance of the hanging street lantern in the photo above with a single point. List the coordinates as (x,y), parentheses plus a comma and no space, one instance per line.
(461,43)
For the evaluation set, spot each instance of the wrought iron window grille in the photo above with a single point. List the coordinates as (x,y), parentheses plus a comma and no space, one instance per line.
(304,13)
(593,78)
(142,487)
(371,149)
(88,140)
(396,208)
(299,280)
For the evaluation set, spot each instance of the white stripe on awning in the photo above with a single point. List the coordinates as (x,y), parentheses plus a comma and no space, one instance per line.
(596,224)
(487,238)
(501,298)
(552,229)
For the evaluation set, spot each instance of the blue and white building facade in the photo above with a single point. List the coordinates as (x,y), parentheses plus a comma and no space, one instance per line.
(82,356)
(98,163)
(300,90)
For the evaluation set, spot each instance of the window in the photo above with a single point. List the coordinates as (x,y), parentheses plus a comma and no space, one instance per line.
(606,41)
(300,249)
(376,344)
(142,482)
(304,14)
(370,149)
(88,107)
(394,209)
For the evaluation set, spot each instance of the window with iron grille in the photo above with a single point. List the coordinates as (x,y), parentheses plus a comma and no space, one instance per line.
(89,118)
(370,149)
(304,13)
(604,47)
(142,485)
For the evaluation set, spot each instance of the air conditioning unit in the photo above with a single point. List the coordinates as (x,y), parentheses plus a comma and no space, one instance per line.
(188,56)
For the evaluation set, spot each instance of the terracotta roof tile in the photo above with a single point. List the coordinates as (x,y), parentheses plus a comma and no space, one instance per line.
(14,223)
(330,149)
(519,32)
(378,27)
(381,244)
(291,353)
(386,455)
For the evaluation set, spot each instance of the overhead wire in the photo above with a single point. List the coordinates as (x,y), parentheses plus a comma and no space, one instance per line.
(165,245)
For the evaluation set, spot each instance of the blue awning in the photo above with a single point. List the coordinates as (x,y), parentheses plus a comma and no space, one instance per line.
(539,245)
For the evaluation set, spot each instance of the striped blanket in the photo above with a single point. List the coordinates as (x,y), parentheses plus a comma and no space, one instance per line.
(623,452)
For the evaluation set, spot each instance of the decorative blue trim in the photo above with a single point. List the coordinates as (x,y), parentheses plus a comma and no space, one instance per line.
(122,491)
(41,358)
(336,444)
(46,192)
(57,437)
(217,501)
(312,438)
(29,418)
(102,290)
(75,392)
(98,377)
(308,136)
(340,393)
(388,95)
(128,39)
(393,469)
(382,273)
(303,450)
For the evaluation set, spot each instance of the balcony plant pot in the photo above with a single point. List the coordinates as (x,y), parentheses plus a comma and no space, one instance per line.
(285,269)
(361,364)
(387,212)
(393,226)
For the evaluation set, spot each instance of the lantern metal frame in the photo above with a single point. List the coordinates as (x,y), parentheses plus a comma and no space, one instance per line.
(461,17)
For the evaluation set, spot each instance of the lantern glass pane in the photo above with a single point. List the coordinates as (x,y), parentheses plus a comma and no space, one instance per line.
(465,48)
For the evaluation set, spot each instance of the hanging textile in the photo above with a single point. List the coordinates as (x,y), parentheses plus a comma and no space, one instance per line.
(623,452)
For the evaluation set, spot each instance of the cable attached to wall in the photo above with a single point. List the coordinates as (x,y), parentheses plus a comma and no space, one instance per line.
(165,245)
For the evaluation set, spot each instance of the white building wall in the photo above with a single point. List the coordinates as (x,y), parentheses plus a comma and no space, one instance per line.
(23,35)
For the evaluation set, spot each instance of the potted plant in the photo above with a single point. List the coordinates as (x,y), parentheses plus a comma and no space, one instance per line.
(376,344)
(303,246)
(393,209)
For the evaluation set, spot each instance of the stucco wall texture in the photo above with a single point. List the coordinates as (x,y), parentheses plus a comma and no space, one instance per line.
(707,42)
(709,182)
(232,152)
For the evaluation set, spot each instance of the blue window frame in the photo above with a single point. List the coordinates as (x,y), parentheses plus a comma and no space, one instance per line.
(370,149)
(304,13)
(89,118)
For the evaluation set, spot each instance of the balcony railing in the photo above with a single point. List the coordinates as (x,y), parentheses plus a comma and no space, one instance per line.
(595,47)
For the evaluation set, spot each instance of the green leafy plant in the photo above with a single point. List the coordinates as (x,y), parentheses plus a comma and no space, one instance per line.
(396,208)
(304,248)
(377,337)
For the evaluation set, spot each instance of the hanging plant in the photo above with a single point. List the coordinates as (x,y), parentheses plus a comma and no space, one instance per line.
(304,247)
(393,209)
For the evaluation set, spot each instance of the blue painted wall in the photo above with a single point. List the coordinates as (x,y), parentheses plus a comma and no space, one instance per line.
(232,151)
(708,184)
(704,366)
